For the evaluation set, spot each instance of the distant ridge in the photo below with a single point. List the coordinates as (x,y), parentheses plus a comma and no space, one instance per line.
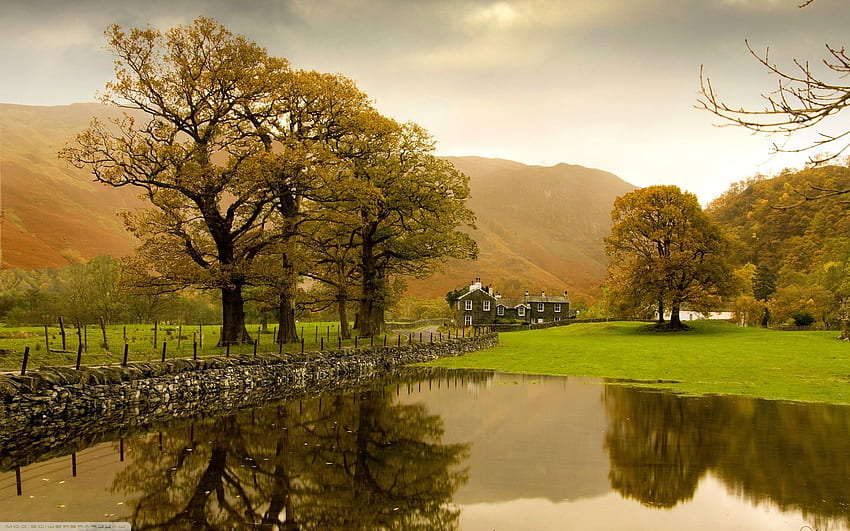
(538,228)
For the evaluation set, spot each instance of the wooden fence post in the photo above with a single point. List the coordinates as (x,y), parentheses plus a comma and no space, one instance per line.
(126,352)
(62,333)
(79,355)
(164,344)
(26,359)
(46,339)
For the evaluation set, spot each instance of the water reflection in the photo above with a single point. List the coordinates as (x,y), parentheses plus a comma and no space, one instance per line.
(437,450)
(341,462)
(796,456)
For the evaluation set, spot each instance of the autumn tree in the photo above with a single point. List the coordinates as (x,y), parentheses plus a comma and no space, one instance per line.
(333,256)
(324,123)
(663,250)
(408,210)
(203,101)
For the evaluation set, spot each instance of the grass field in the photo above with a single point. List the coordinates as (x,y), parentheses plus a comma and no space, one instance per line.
(179,342)
(714,358)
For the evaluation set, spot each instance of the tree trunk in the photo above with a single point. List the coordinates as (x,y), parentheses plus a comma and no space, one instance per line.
(370,316)
(233,317)
(661,310)
(344,330)
(289,279)
(287,331)
(675,320)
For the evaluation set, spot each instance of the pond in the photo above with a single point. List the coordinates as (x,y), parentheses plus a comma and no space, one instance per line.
(460,450)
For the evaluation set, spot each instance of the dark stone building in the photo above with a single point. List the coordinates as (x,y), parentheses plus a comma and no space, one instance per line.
(481,305)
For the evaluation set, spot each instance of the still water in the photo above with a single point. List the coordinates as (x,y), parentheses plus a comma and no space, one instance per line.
(461,450)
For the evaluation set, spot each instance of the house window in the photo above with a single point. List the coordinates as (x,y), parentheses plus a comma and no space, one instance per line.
(500,310)
(521,311)
(557,307)
(557,319)
(468,305)
(467,320)
(486,306)
(540,307)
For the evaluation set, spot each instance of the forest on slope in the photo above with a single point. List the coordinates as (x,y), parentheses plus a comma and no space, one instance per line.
(792,245)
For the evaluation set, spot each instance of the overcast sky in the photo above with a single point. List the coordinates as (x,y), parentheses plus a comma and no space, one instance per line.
(610,84)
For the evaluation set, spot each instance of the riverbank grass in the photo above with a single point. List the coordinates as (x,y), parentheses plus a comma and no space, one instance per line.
(713,358)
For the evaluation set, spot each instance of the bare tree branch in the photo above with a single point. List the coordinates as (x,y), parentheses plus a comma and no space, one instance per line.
(803,99)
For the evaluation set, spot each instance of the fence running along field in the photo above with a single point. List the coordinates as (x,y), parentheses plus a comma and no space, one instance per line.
(23,347)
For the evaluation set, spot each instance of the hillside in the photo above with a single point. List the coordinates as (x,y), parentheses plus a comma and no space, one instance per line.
(538,227)
(788,241)
(53,214)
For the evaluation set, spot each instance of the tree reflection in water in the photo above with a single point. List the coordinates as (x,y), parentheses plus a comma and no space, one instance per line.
(344,462)
(796,456)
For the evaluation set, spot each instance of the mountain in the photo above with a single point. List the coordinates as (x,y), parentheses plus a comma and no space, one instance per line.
(53,214)
(538,228)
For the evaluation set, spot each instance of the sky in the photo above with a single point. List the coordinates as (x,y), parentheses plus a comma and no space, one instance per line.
(608,84)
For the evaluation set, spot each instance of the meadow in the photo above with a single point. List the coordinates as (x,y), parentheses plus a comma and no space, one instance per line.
(146,343)
(713,358)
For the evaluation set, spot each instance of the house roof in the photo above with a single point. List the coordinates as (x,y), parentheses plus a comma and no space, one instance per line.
(546,298)
(514,302)
(471,291)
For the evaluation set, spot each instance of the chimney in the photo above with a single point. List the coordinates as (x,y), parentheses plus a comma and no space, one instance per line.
(475,285)
(543,293)
(566,294)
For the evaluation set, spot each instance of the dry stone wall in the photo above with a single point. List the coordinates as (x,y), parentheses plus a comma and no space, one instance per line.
(53,406)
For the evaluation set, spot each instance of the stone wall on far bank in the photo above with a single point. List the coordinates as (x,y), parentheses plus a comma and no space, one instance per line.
(53,406)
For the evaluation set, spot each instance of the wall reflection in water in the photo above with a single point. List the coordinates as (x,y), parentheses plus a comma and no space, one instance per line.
(796,456)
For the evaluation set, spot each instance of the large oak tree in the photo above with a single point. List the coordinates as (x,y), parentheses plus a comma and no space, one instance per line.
(203,101)
(664,252)
(408,216)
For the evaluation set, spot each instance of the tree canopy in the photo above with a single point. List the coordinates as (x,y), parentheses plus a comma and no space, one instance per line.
(801,255)
(664,252)
(242,159)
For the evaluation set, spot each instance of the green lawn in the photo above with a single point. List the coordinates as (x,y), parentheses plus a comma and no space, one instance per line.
(714,358)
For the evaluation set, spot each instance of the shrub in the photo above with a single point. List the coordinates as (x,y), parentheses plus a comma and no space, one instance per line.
(803,318)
